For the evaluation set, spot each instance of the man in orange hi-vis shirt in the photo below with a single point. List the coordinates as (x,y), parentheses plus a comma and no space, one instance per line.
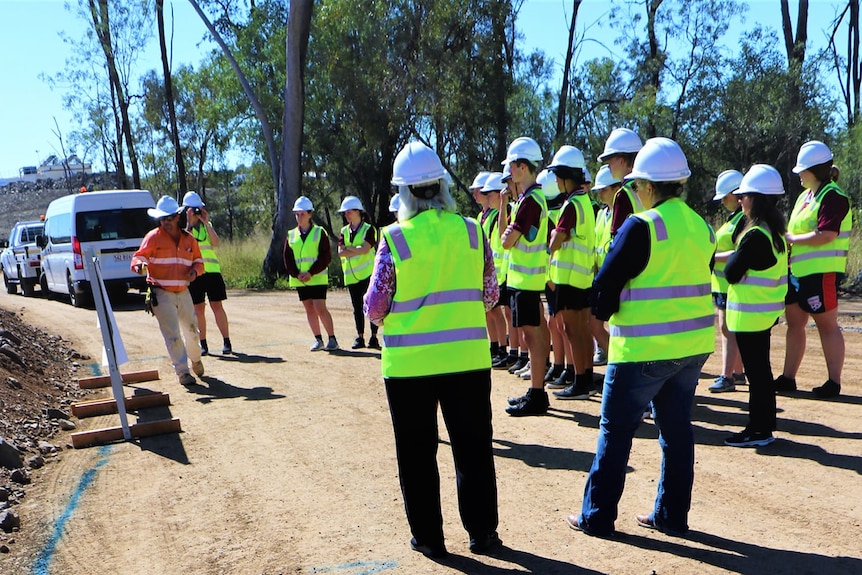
(171,258)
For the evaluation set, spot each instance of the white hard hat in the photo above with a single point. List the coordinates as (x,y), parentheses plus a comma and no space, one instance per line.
(568,156)
(479,180)
(303,204)
(493,183)
(548,181)
(604,178)
(350,203)
(761,179)
(507,173)
(523,148)
(726,183)
(415,164)
(660,160)
(394,204)
(166,206)
(621,141)
(588,177)
(193,200)
(812,153)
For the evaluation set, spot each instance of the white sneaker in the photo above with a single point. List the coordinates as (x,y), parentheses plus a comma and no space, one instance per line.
(332,345)
(523,370)
(600,357)
(316,346)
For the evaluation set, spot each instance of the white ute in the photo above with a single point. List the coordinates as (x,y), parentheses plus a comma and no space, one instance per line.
(20,257)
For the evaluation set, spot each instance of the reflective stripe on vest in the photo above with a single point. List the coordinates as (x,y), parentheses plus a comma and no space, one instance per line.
(826,258)
(528,259)
(572,264)
(357,268)
(436,323)
(724,243)
(666,312)
(757,300)
(208,254)
(603,235)
(500,255)
(305,253)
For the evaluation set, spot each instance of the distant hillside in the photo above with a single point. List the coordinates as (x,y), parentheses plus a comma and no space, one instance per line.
(21,201)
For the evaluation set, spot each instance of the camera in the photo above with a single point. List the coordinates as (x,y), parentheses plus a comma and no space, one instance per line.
(197,211)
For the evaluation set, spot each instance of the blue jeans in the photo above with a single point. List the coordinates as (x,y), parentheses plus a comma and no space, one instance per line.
(629,388)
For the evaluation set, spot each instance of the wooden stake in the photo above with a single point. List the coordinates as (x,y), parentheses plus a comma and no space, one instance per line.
(114,434)
(105,380)
(106,406)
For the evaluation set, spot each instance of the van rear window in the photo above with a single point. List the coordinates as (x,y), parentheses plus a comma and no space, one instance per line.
(120,224)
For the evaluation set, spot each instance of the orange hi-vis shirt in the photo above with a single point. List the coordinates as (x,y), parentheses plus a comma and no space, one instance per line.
(169,262)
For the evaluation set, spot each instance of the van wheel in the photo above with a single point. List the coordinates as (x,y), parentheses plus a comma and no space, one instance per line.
(77,300)
(43,284)
(10,288)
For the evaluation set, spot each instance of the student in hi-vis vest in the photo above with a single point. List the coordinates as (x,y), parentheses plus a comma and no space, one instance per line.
(356,250)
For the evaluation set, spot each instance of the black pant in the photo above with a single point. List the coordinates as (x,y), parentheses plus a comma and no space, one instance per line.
(754,349)
(465,399)
(357,292)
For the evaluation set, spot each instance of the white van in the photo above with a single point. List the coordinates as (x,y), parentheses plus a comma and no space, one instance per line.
(111,223)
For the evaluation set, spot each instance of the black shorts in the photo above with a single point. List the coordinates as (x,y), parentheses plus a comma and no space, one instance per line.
(526,307)
(312,292)
(815,293)
(210,285)
(550,301)
(570,297)
(719,300)
(503,300)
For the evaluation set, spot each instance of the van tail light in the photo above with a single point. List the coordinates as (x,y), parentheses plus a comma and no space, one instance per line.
(76,254)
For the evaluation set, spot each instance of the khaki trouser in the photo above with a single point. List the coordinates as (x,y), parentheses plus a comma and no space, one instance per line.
(177,319)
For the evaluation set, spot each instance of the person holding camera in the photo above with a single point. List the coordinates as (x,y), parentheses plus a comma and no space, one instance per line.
(211,284)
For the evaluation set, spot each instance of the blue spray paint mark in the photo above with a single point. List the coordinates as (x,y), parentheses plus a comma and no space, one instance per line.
(371,567)
(40,567)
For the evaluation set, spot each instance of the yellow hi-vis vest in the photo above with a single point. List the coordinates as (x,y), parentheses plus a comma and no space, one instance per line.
(305,254)
(572,264)
(501,256)
(603,235)
(757,300)
(528,258)
(724,243)
(831,257)
(357,268)
(666,311)
(211,264)
(436,324)
(628,190)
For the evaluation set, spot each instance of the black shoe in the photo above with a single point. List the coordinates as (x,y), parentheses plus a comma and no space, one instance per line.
(564,380)
(785,384)
(519,364)
(553,372)
(226,348)
(485,544)
(374,343)
(535,403)
(827,390)
(500,362)
(429,550)
(575,391)
(358,343)
(519,399)
(748,438)
(204,349)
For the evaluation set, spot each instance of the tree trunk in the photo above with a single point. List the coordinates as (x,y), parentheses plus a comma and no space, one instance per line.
(567,68)
(289,184)
(169,98)
(656,59)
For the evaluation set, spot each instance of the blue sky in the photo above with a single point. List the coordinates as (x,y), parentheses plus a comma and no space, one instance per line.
(31,45)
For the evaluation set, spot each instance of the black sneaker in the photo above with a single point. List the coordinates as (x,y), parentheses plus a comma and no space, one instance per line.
(785,384)
(553,373)
(535,403)
(748,438)
(374,343)
(827,390)
(575,391)
(358,343)
(519,399)
(564,380)
(204,349)
(485,544)
(226,349)
(519,364)
(500,362)
(429,550)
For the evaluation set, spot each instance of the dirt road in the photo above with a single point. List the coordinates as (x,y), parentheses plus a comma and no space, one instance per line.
(286,465)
